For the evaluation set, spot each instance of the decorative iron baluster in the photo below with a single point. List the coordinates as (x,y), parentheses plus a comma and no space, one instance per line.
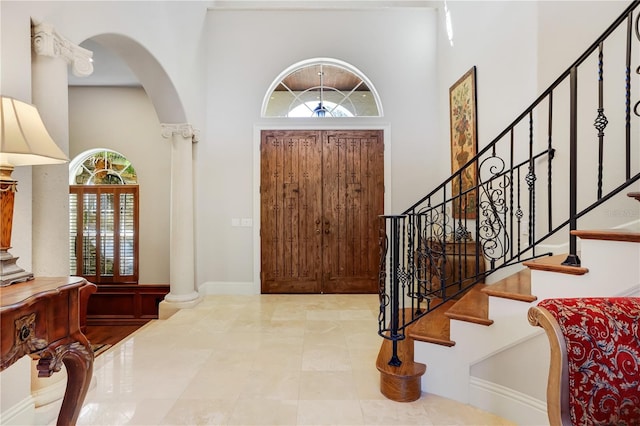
(385,299)
(549,171)
(394,265)
(519,212)
(628,89)
(531,180)
(572,259)
(601,120)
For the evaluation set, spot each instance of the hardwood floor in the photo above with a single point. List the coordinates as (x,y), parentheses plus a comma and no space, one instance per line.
(109,334)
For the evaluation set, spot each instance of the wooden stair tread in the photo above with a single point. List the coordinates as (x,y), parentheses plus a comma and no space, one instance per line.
(608,235)
(516,287)
(434,326)
(554,264)
(472,307)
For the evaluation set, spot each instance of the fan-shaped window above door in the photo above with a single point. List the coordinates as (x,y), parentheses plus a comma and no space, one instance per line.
(321,88)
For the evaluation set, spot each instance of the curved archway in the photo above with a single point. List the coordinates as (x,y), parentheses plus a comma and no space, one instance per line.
(314,83)
(152,76)
(161,106)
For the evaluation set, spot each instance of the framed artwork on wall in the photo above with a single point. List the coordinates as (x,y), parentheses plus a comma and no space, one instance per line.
(463,117)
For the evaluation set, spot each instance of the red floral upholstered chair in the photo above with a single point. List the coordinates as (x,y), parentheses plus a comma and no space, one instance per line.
(594,374)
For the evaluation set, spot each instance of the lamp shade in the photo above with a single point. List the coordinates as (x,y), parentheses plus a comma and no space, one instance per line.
(24,140)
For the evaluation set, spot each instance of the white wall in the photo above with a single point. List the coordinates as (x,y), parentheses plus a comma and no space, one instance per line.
(566,29)
(248,49)
(499,38)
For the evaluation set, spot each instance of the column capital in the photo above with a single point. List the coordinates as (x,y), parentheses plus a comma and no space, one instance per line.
(185,130)
(46,41)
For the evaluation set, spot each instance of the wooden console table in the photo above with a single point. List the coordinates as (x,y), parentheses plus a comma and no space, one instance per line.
(41,318)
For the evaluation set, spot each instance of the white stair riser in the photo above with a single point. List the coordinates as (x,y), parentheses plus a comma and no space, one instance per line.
(610,261)
(614,270)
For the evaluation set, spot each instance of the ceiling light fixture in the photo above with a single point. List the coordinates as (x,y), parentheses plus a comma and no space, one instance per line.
(320,110)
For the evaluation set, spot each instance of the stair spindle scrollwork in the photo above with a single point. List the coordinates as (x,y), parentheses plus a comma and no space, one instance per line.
(492,205)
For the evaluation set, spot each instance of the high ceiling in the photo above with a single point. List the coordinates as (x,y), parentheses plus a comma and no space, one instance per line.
(111,70)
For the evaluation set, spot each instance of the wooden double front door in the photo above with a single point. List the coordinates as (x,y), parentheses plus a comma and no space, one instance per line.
(321,195)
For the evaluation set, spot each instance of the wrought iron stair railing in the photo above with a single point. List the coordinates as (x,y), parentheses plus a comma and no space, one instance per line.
(533,182)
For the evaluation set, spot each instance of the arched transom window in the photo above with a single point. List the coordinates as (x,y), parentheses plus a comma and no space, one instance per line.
(102,167)
(321,88)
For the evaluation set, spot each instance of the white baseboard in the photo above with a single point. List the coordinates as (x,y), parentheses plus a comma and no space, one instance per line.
(507,403)
(631,292)
(47,414)
(634,225)
(22,413)
(47,396)
(50,391)
(229,287)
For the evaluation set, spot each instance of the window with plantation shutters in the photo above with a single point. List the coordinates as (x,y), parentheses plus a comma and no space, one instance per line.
(103,232)
(103,218)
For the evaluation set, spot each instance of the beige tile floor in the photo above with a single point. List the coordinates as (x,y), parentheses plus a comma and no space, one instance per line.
(259,360)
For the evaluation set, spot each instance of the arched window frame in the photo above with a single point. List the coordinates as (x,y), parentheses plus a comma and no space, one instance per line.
(103,220)
(78,164)
(314,62)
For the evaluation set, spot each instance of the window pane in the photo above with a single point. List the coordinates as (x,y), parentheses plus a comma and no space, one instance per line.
(315,86)
(89,242)
(104,168)
(73,233)
(106,235)
(127,234)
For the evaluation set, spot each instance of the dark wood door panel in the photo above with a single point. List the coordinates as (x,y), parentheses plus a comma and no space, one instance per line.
(321,193)
(290,203)
(353,182)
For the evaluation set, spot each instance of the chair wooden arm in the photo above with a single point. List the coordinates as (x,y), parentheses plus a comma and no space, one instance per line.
(558,382)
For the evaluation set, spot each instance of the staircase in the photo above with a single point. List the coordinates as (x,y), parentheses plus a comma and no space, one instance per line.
(492,318)
(458,327)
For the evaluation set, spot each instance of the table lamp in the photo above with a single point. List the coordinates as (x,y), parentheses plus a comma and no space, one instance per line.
(24,141)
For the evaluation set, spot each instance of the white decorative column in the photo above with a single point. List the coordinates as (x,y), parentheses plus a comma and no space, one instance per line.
(51,55)
(50,93)
(182,293)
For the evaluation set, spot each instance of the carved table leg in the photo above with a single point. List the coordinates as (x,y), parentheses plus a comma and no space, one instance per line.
(77,356)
